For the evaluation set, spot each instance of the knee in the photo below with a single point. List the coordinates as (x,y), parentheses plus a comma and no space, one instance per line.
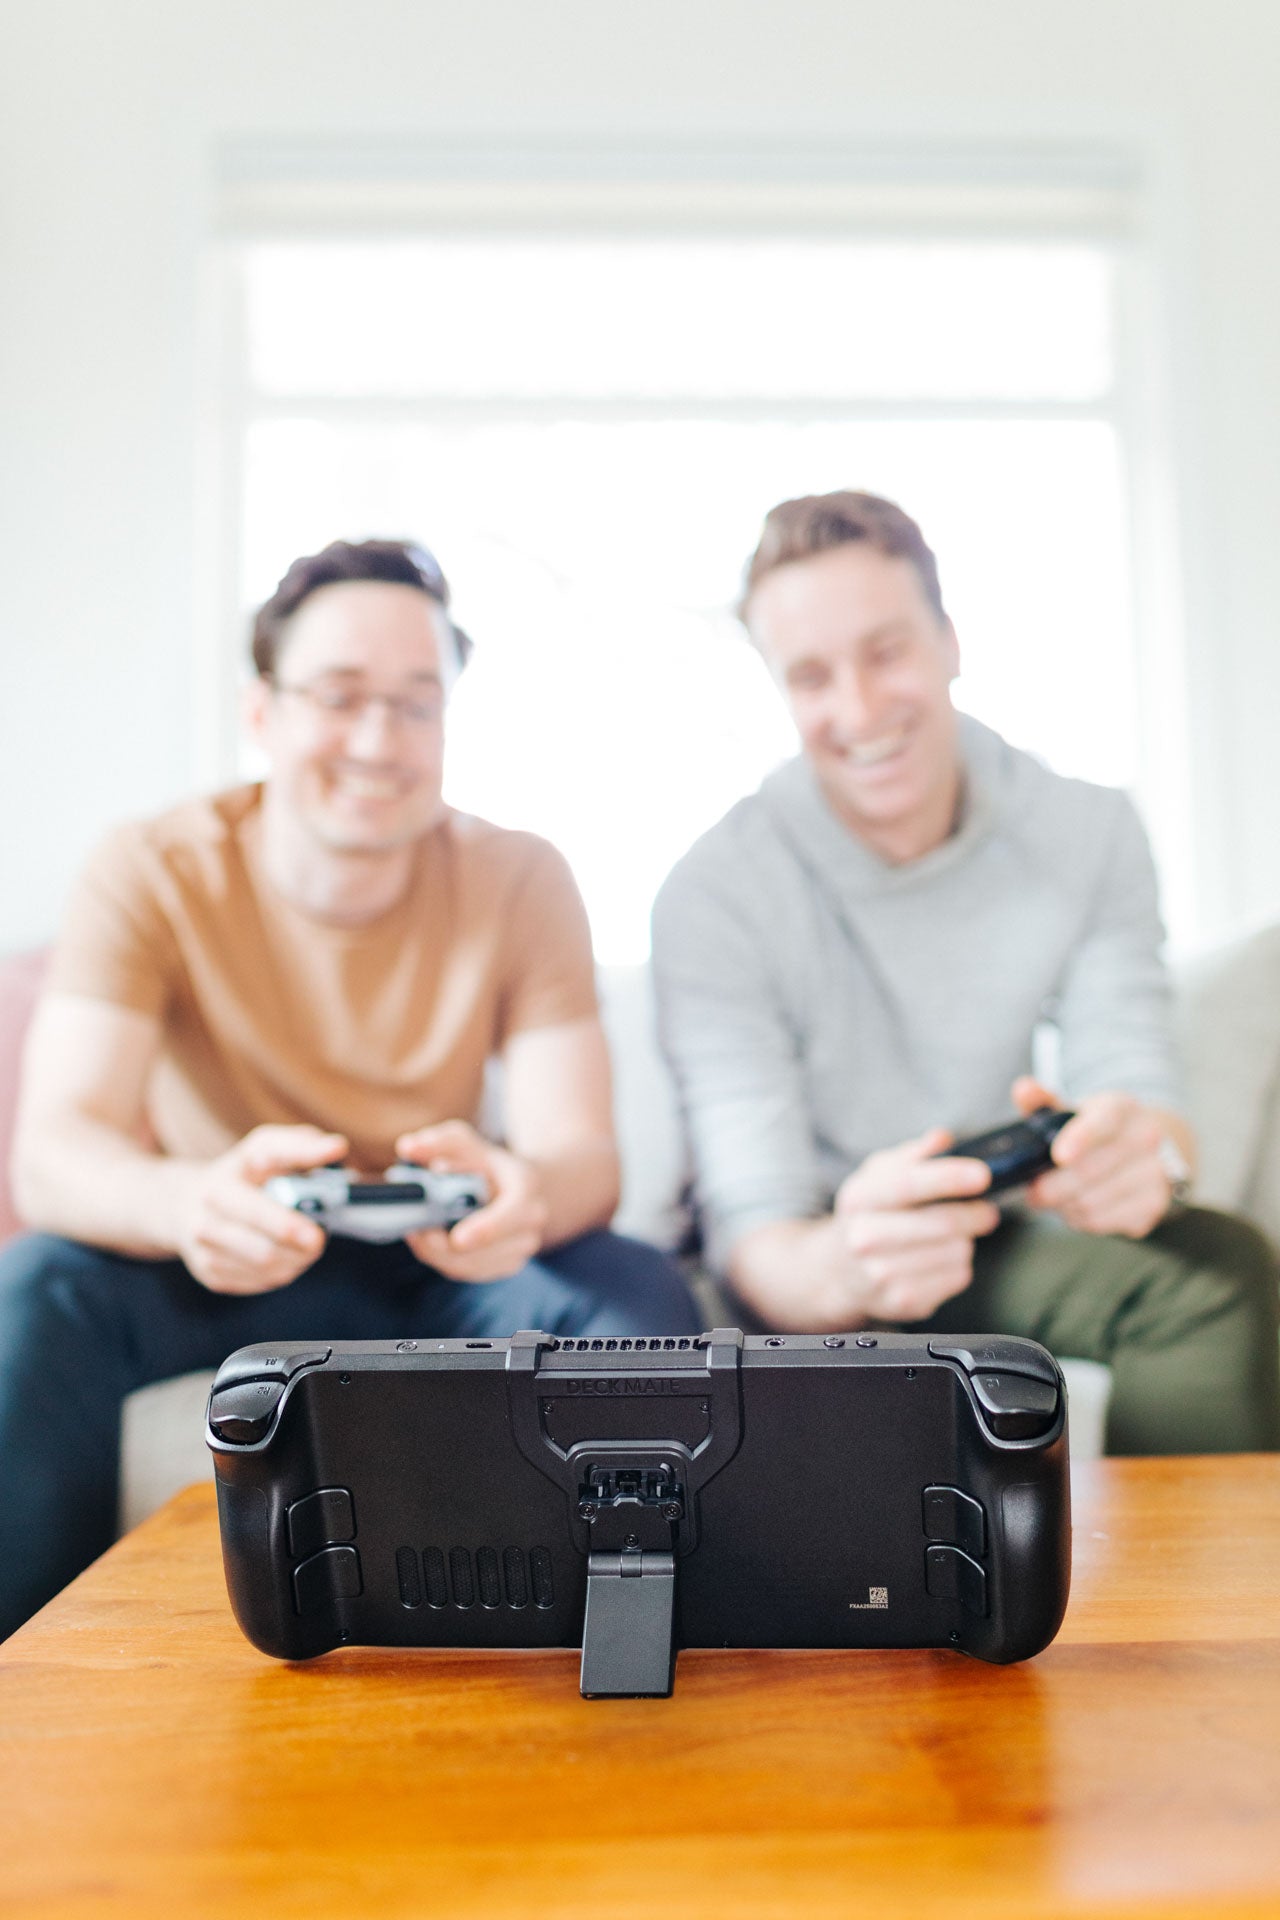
(662,1289)
(42,1278)
(632,1282)
(1236,1252)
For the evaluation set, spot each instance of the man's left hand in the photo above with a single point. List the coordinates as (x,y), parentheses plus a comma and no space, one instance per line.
(1108,1176)
(500,1237)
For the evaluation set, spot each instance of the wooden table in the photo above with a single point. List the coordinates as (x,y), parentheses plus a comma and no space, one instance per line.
(152,1763)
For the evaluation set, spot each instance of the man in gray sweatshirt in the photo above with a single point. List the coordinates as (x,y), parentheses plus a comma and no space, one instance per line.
(850,970)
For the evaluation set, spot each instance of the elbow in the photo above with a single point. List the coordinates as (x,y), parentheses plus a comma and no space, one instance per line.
(609,1186)
(600,1186)
(29,1189)
(40,1169)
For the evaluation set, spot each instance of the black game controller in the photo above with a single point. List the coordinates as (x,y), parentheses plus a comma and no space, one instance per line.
(1016,1153)
(408,1200)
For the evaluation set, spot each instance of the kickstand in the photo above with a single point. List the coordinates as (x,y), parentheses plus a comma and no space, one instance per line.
(627,1635)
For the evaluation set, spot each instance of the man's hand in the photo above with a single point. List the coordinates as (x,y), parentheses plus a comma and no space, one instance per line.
(236,1239)
(908,1221)
(496,1240)
(1108,1176)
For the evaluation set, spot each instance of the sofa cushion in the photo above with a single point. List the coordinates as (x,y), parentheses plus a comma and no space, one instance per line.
(20,977)
(1229,1028)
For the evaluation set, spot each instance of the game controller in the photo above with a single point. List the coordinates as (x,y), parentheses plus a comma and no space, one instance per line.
(1016,1153)
(407,1200)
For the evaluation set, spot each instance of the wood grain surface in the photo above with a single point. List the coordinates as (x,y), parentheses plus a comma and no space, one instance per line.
(152,1763)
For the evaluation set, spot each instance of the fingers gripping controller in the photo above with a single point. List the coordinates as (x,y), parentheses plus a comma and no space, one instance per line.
(1016,1153)
(409,1200)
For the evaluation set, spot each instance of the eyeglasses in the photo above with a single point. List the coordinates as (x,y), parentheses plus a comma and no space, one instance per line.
(344,706)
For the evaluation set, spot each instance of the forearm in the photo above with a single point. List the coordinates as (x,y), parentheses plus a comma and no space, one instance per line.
(579,1188)
(87,1181)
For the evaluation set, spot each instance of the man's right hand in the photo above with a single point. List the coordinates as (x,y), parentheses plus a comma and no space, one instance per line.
(906,1222)
(897,1244)
(234,1237)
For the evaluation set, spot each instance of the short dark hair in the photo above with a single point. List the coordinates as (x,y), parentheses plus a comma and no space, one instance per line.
(800,529)
(399,562)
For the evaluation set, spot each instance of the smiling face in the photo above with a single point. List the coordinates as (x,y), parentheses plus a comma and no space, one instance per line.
(352,721)
(865,663)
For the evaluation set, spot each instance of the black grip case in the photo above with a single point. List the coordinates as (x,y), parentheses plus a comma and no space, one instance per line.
(636,1496)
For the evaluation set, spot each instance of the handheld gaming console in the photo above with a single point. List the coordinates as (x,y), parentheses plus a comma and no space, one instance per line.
(633,1496)
(409,1199)
(1018,1152)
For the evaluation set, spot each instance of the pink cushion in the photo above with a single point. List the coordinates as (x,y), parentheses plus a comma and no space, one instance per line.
(20,977)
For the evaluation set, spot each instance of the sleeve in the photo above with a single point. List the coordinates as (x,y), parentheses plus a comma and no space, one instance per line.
(1115,1005)
(549,978)
(737,1062)
(116,942)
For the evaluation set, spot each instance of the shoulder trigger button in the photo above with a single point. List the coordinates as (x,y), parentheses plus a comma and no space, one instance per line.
(258,1363)
(1015,1407)
(999,1353)
(241,1415)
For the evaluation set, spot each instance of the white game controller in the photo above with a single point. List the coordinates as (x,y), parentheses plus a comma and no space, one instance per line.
(407,1200)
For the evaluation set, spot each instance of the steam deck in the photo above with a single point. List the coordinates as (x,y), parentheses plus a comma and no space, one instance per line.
(635,1496)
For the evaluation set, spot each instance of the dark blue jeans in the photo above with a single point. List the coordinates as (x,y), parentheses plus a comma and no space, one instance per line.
(80,1329)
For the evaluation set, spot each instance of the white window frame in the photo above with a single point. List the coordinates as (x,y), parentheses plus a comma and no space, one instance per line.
(296,192)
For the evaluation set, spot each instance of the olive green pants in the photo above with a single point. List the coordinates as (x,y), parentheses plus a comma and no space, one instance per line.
(1188,1320)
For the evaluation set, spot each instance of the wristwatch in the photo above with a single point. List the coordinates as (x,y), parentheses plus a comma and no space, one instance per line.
(1174,1166)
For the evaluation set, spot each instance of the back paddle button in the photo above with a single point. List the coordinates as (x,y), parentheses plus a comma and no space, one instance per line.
(331,1575)
(956,1518)
(952,1575)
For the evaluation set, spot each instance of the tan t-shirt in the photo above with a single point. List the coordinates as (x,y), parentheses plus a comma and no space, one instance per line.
(270,1015)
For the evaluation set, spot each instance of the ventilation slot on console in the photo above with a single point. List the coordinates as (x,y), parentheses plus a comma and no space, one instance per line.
(487,1577)
(656,1345)
(464,1591)
(437,1582)
(540,1573)
(514,1575)
(506,1576)
(410,1577)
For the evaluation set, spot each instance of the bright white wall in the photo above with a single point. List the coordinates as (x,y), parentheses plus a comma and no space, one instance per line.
(110,119)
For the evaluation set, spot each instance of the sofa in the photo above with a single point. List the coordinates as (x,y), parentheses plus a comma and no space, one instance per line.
(1229,1020)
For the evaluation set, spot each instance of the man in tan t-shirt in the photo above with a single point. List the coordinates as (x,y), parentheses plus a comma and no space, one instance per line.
(312,970)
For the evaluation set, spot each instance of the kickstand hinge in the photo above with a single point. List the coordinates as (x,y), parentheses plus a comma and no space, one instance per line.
(628,1633)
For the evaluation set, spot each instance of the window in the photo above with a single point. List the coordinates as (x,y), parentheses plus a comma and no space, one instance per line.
(588,430)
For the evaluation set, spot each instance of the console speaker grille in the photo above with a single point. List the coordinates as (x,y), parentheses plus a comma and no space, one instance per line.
(497,1577)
